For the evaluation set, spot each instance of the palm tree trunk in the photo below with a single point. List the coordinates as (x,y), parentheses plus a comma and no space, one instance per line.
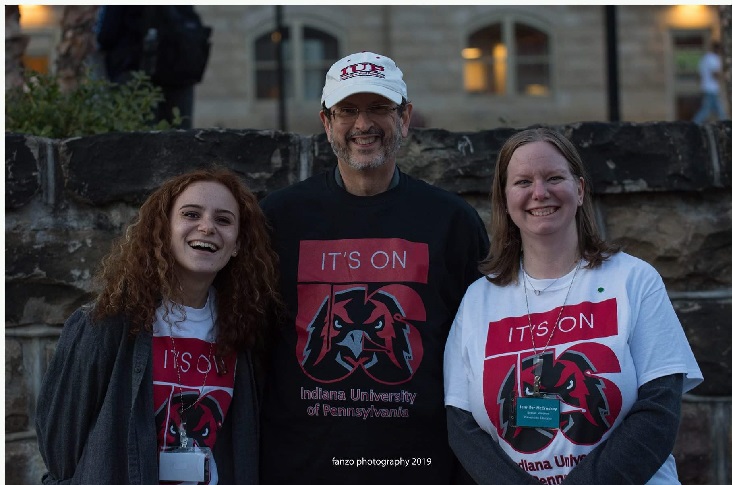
(76,45)
(725,22)
(15,44)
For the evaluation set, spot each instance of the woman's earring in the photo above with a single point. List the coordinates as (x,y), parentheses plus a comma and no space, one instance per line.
(233,255)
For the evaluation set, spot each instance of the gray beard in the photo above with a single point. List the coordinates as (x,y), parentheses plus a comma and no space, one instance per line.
(391,146)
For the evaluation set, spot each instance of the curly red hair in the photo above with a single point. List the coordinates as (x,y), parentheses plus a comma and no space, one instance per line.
(137,275)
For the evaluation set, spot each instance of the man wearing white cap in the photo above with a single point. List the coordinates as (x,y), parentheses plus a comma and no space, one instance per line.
(374,264)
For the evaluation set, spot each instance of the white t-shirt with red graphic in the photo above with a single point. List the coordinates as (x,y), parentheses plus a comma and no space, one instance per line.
(617,331)
(194,363)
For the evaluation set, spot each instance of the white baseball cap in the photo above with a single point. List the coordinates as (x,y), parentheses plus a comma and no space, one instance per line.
(363,72)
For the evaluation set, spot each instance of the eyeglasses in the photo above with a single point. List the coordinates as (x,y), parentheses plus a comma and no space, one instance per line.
(348,113)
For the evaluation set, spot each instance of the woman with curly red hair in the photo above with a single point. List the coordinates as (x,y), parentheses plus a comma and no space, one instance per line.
(146,382)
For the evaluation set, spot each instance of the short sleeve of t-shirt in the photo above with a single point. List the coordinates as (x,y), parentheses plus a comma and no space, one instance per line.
(456,364)
(658,333)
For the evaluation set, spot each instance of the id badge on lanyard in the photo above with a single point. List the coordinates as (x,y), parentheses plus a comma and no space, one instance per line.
(178,464)
(537,412)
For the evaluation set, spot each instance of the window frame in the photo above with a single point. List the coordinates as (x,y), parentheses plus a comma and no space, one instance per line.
(296,28)
(507,21)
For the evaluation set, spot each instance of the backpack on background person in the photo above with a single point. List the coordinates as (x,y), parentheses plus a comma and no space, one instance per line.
(168,42)
(176,45)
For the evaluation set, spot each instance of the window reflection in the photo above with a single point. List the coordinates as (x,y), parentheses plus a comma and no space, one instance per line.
(497,64)
(313,50)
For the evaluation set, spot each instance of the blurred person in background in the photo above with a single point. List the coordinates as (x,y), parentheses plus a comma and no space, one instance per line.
(710,76)
(167,42)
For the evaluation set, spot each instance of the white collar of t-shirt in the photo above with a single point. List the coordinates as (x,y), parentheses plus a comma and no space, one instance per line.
(185,321)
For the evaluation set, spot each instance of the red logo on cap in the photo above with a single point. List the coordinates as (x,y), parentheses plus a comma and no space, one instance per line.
(362,69)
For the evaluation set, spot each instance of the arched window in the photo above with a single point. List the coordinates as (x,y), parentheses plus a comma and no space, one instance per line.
(508,58)
(308,53)
(266,58)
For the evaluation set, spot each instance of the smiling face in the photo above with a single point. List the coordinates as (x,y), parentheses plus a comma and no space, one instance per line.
(369,141)
(542,194)
(204,231)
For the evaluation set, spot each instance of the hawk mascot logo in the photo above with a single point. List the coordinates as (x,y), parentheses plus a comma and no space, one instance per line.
(590,403)
(358,329)
(203,419)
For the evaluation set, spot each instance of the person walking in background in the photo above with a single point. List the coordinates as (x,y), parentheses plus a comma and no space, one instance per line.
(373,265)
(162,361)
(168,42)
(710,75)
(566,362)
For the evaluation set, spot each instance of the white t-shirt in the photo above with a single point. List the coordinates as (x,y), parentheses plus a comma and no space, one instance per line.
(617,331)
(195,335)
(710,64)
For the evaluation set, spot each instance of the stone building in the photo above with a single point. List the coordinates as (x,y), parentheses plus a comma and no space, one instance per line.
(469,67)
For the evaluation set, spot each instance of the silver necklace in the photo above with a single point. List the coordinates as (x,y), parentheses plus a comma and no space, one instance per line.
(538,292)
(183,408)
(537,355)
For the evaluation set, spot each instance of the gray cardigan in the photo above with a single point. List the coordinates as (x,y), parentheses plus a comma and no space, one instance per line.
(94,417)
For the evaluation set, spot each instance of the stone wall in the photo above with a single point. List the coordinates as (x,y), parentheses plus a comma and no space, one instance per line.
(663,190)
